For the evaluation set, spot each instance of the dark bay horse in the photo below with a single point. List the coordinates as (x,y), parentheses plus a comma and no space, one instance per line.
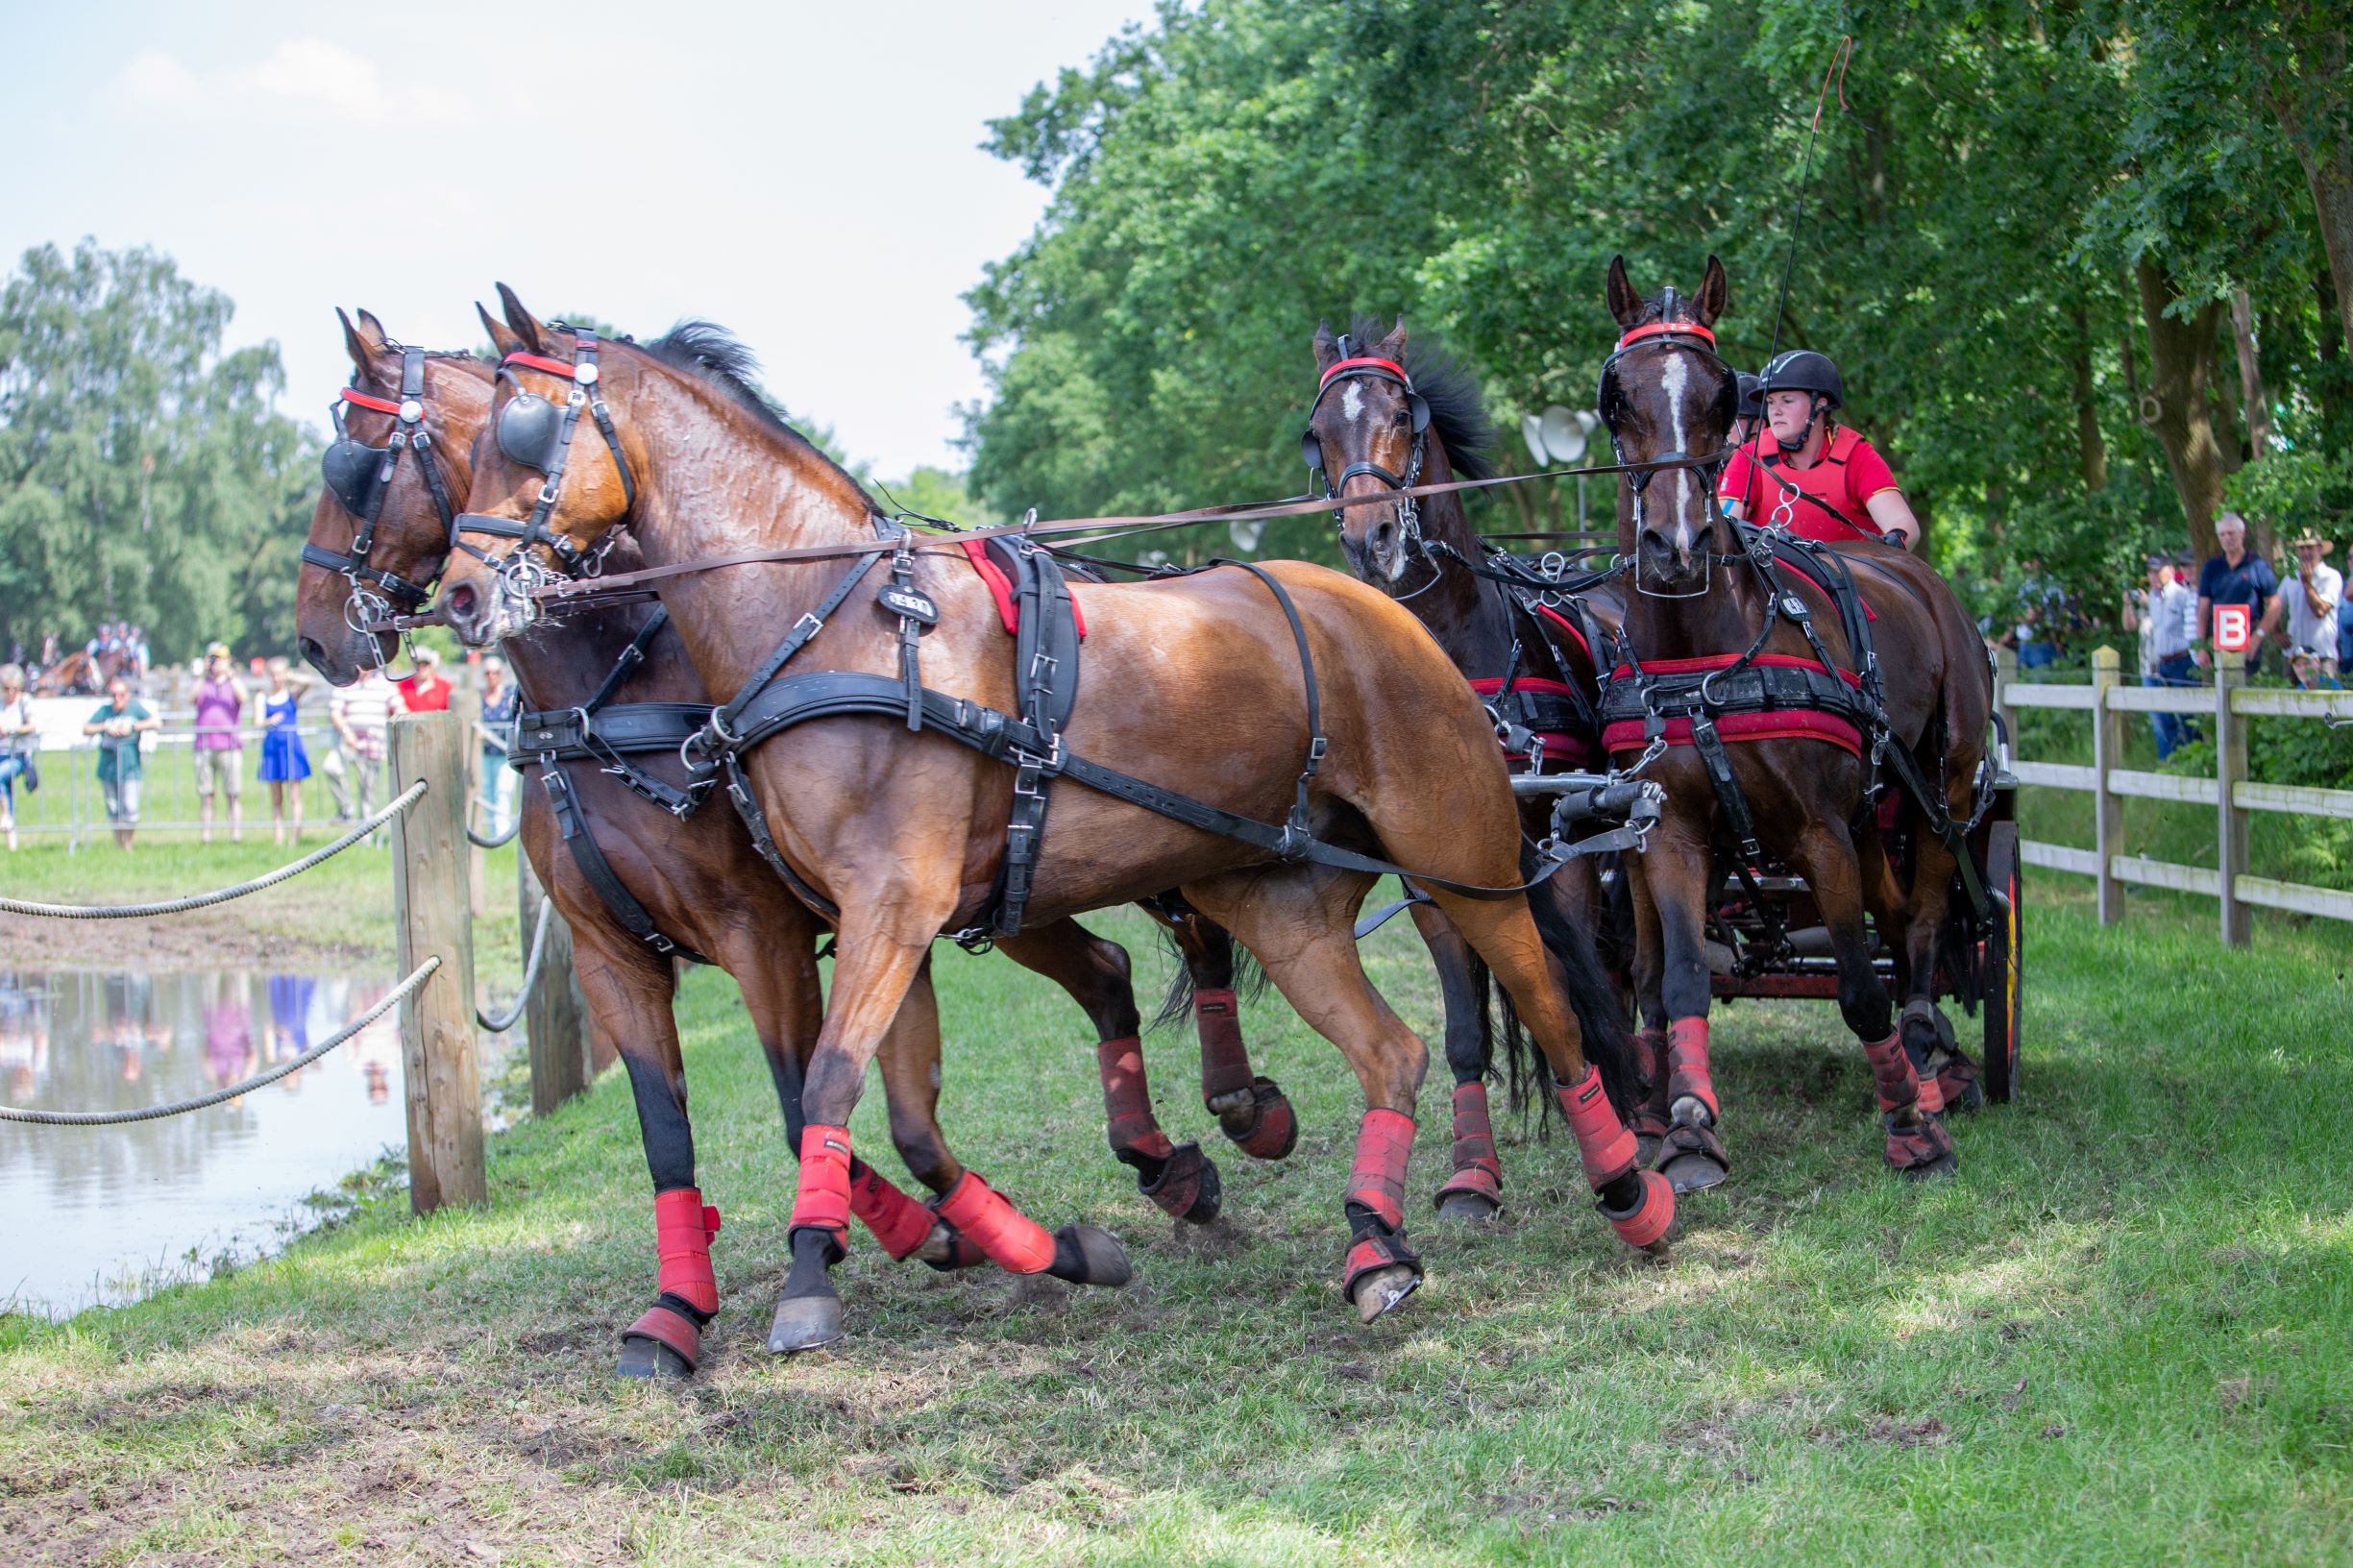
(1710,598)
(1389,415)
(1195,682)
(697,883)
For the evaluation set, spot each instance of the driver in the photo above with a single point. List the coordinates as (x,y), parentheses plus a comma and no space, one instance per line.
(1807,473)
(1751,409)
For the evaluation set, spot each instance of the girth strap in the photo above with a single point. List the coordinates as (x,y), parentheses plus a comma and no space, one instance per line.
(572,822)
(1046,675)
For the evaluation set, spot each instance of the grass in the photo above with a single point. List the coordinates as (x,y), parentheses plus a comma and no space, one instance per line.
(2120,1336)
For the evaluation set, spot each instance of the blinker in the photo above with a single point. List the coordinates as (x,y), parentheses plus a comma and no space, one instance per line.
(1420,408)
(528,427)
(350,468)
(1311,453)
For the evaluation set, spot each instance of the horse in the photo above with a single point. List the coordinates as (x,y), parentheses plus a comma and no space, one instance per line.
(1831,686)
(80,674)
(904,783)
(639,884)
(1389,415)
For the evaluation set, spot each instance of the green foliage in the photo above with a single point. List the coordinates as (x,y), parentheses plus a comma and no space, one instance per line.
(143,474)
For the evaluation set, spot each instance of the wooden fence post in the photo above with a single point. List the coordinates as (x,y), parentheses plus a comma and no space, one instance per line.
(551,1017)
(467,703)
(431,907)
(2230,772)
(2108,807)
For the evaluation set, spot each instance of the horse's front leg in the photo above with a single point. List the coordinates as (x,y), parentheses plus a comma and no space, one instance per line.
(1475,1190)
(1679,879)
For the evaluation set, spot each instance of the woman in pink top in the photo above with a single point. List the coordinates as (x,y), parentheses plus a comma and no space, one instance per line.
(220,750)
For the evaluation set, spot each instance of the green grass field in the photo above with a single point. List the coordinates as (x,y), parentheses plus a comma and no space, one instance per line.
(2121,1335)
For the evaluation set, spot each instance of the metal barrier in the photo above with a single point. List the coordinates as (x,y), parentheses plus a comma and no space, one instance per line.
(2228,703)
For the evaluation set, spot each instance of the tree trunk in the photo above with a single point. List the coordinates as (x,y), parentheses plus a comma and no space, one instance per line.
(2091,450)
(2252,398)
(2324,146)
(2178,403)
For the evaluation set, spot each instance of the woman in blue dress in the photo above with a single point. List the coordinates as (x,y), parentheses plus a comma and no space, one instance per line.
(285,764)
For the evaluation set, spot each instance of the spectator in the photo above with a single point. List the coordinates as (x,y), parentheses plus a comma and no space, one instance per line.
(2309,601)
(2233,577)
(2344,638)
(220,747)
(428,691)
(2042,608)
(118,726)
(363,716)
(501,702)
(2162,613)
(285,764)
(17,734)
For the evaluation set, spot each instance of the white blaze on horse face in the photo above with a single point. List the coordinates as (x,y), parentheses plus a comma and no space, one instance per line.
(1677,372)
(1352,402)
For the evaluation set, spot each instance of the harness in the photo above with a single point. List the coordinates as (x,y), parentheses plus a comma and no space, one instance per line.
(537,433)
(361,476)
(1353,366)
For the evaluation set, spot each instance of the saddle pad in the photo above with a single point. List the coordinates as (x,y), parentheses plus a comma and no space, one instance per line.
(1780,724)
(1868,614)
(1568,626)
(998,579)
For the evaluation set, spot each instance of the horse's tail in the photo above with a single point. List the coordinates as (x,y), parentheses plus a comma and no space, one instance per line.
(1601,1014)
(1249,981)
(1522,1069)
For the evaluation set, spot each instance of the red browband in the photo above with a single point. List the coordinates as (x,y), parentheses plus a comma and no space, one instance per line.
(554,367)
(362,399)
(1364,362)
(1664,329)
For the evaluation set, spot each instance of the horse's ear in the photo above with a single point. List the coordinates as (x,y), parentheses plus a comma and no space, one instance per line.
(502,337)
(1715,294)
(1327,346)
(362,341)
(1625,305)
(1393,346)
(527,329)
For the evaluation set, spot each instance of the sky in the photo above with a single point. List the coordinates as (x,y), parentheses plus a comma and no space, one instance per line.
(808,175)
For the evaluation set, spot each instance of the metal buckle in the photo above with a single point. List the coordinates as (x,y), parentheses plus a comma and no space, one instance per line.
(812,625)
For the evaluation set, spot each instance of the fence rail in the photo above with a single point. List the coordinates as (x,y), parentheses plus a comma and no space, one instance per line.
(2228,703)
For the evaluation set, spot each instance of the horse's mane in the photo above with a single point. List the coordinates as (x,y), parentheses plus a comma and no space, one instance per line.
(1457,409)
(710,353)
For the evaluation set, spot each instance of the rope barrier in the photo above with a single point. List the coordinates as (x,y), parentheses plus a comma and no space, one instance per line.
(530,974)
(108,1118)
(481,843)
(123,911)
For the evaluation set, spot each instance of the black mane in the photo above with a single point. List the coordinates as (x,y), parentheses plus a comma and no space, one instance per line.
(1457,409)
(708,350)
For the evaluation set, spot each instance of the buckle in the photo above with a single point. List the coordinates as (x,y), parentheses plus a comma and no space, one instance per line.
(812,625)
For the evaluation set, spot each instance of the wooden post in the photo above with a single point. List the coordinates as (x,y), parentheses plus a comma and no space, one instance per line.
(2230,770)
(2108,807)
(2005,675)
(553,1014)
(467,703)
(429,905)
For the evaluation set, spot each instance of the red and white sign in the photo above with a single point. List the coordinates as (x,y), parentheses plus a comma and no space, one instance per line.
(2234,627)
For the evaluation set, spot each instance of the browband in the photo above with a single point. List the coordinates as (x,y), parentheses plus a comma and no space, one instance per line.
(361,400)
(536,361)
(1364,362)
(1665,329)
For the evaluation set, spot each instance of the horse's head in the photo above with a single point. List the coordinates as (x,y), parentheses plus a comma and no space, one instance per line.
(1664,394)
(1368,432)
(399,463)
(555,481)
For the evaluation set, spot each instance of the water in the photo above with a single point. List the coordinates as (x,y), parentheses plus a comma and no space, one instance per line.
(95,1216)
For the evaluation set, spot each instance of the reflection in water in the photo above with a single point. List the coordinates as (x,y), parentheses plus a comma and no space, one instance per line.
(91,1214)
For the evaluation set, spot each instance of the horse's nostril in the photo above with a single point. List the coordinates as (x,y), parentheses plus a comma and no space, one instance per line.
(312,653)
(459,599)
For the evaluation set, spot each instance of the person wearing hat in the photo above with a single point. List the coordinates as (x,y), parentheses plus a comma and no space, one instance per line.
(220,747)
(428,691)
(1751,412)
(2310,603)
(2165,614)
(1808,474)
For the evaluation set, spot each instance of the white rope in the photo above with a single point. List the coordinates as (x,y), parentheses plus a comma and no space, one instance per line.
(530,974)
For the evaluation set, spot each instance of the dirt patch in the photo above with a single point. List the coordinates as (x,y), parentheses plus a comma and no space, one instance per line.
(204,938)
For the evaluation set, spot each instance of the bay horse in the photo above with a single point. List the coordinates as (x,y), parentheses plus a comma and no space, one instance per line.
(1389,415)
(639,884)
(80,674)
(901,816)
(1735,635)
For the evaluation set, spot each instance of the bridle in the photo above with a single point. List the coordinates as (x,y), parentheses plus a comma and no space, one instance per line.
(534,432)
(359,477)
(1691,337)
(1353,366)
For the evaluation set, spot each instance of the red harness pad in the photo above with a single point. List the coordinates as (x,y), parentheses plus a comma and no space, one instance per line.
(1777,725)
(1868,614)
(1000,588)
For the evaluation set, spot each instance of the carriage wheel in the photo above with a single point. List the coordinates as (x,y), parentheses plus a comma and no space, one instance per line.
(2004,955)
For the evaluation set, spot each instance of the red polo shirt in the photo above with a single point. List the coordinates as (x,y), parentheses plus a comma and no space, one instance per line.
(1848,472)
(425,694)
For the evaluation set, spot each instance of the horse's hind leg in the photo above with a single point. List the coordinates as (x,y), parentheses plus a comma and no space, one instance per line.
(1475,1188)
(1250,1110)
(1177,1176)
(1299,923)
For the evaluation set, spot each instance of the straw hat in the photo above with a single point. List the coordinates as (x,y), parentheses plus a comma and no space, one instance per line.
(2298,543)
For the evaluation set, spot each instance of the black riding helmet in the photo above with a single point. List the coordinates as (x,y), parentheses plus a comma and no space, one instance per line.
(1803,370)
(1752,397)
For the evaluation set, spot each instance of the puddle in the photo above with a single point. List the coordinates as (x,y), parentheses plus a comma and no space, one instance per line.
(103,1215)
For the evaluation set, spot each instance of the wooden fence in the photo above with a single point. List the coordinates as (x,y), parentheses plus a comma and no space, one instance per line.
(2226,706)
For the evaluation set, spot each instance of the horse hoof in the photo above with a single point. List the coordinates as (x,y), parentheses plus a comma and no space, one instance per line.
(1471,1208)
(1690,1110)
(1380,1292)
(653,1359)
(1968,1098)
(1263,1127)
(805,1323)
(1090,1254)
(1692,1173)
(1187,1187)
(1646,1148)
(1943,1164)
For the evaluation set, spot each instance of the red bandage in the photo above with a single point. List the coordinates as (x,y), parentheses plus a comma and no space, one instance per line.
(1127,1103)
(684,1226)
(1891,1074)
(1225,1063)
(1606,1147)
(1688,1071)
(824,1198)
(1011,1240)
(899,1222)
(1474,1135)
(1384,1140)
(1648,1223)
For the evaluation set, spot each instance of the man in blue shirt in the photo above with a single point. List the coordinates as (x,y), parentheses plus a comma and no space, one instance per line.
(2233,577)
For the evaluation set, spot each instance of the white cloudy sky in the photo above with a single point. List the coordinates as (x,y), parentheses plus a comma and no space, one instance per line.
(807,175)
